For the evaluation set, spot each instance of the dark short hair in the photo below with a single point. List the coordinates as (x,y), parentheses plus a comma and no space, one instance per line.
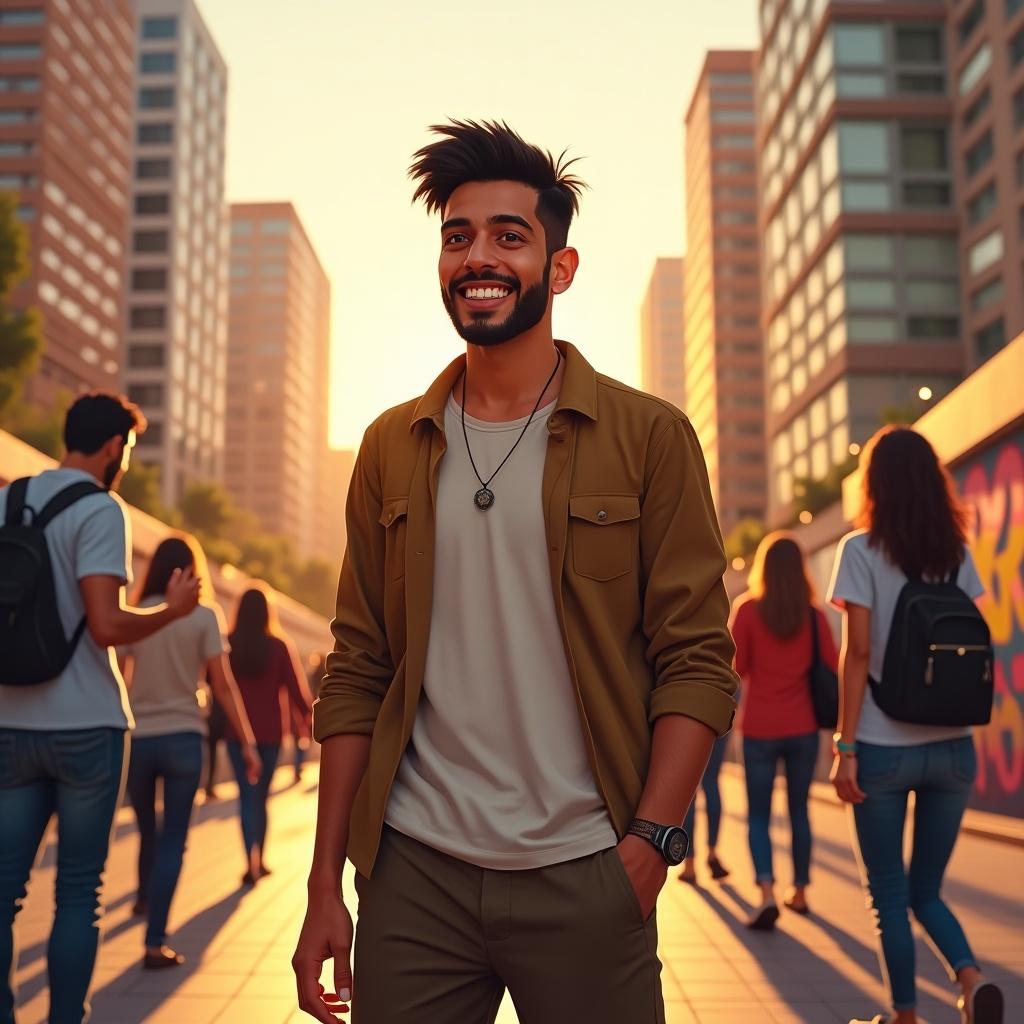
(491,151)
(95,418)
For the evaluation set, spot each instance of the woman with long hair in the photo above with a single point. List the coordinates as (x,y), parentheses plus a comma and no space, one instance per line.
(268,670)
(164,674)
(772,626)
(912,527)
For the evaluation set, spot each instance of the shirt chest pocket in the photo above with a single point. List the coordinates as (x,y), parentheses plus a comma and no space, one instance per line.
(394,516)
(604,532)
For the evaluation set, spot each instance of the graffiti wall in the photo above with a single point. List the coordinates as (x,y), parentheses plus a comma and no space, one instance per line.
(993,485)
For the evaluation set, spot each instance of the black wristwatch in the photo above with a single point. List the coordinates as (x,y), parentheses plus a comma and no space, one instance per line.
(670,841)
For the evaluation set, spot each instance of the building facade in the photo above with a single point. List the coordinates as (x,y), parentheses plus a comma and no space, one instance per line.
(661,333)
(986,59)
(277,463)
(860,283)
(724,361)
(176,323)
(65,127)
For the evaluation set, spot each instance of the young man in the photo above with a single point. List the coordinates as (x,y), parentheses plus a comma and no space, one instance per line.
(531,660)
(62,743)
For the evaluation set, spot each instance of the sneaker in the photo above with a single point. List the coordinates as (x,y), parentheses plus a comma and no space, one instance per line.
(717,868)
(984,1006)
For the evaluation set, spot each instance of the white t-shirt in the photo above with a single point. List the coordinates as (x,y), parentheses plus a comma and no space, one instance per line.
(167,671)
(496,772)
(863,575)
(91,538)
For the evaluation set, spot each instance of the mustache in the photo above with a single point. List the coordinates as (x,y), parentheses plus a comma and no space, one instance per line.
(485,278)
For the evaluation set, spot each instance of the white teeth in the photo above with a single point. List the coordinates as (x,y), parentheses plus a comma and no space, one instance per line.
(486,293)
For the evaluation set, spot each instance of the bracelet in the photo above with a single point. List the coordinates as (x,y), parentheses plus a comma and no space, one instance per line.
(845,748)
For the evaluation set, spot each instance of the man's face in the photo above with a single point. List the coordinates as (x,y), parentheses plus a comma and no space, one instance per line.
(494,266)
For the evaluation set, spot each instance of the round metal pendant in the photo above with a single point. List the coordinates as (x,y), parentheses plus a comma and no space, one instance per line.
(483,499)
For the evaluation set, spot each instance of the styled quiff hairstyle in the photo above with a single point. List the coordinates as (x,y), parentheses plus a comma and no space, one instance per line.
(491,151)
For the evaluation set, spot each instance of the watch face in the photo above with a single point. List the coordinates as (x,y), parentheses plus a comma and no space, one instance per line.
(675,846)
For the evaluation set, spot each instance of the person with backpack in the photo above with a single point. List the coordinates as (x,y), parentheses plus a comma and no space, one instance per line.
(780,633)
(916,674)
(65,558)
(163,675)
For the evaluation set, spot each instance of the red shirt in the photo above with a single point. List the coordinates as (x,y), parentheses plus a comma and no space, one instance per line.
(776,697)
(262,695)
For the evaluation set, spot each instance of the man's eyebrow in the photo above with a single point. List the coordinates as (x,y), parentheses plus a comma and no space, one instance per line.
(455,222)
(510,218)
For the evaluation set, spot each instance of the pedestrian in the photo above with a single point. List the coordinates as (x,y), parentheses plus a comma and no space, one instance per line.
(268,671)
(912,533)
(216,728)
(713,813)
(64,719)
(532,657)
(302,722)
(163,673)
(772,625)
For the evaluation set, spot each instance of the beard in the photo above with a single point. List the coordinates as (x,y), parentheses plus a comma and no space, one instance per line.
(528,311)
(110,473)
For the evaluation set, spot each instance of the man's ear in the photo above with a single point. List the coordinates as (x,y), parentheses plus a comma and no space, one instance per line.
(564,265)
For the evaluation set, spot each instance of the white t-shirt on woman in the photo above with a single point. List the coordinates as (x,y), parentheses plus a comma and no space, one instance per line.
(863,575)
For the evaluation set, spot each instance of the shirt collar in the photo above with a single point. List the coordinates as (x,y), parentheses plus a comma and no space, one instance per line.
(578,392)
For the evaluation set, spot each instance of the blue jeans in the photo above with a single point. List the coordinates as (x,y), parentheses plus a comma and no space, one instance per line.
(77,775)
(941,775)
(799,754)
(253,799)
(177,758)
(712,799)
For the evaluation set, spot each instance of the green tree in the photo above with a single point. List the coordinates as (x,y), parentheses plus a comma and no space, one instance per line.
(743,539)
(315,584)
(815,495)
(140,487)
(21,335)
(207,509)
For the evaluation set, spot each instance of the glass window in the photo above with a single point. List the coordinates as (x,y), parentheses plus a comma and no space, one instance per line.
(868,252)
(930,252)
(837,402)
(932,293)
(858,44)
(923,147)
(800,438)
(734,141)
(979,106)
(21,51)
(819,459)
(920,82)
(1016,48)
(866,195)
(153,98)
(159,28)
(979,154)
(158,62)
(854,85)
(154,133)
(150,280)
(863,147)
(867,293)
(146,395)
(732,116)
(149,241)
(975,70)
(982,204)
(929,327)
(819,418)
(20,83)
(21,17)
(153,437)
(143,317)
(275,227)
(987,295)
(158,168)
(927,193)
(144,357)
(989,340)
(970,21)
(870,328)
(985,252)
(919,43)
(152,203)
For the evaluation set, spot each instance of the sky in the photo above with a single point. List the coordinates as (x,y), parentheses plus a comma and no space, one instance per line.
(328,100)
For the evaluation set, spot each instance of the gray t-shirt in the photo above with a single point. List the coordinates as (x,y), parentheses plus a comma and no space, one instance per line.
(91,538)
(167,671)
(863,575)
(496,772)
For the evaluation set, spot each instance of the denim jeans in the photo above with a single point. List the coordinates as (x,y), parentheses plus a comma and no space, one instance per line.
(941,776)
(712,799)
(77,775)
(253,799)
(177,759)
(799,754)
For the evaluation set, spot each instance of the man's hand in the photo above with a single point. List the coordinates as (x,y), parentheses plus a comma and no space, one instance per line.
(326,934)
(253,763)
(182,592)
(646,870)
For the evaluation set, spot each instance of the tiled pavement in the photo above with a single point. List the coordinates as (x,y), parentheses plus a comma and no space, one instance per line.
(819,970)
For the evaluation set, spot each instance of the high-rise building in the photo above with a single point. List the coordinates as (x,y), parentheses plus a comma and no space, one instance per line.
(176,326)
(986,59)
(65,124)
(661,333)
(861,294)
(724,363)
(277,461)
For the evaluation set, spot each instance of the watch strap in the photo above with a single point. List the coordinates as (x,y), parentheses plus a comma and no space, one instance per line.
(649,830)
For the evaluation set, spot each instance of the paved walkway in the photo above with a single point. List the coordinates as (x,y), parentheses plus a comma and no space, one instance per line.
(820,970)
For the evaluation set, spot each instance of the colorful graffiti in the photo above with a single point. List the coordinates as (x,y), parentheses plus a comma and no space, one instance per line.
(993,485)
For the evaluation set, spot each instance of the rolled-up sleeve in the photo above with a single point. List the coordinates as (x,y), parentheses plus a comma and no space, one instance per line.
(359,670)
(686,608)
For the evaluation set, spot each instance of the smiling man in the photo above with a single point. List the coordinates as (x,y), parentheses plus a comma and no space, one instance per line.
(531,656)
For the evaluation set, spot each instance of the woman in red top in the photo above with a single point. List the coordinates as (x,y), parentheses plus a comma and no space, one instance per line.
(771,625)
(266,667)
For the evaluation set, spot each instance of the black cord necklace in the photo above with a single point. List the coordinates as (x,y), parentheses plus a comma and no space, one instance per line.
(484,498)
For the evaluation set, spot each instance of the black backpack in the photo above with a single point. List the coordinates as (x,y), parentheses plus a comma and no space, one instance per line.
(938,660)
(33,647)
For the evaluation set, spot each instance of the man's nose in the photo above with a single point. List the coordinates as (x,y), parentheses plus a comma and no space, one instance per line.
(480,255)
